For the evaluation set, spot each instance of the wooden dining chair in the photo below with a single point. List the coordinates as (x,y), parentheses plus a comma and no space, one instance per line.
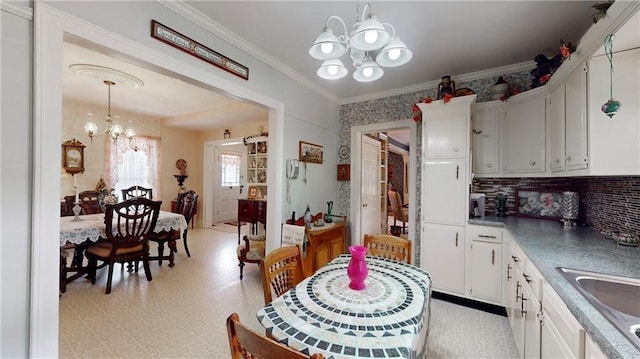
(399,213)
(127,227)
(281,270)
(186,206)
(246,343)
(388,246)
(137,191)
(90,202)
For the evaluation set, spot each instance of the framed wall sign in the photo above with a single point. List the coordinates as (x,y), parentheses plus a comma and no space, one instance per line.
(196,49)
(344,172)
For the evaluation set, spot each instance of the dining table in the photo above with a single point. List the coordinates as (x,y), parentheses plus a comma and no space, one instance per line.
(389,318)
(91,227)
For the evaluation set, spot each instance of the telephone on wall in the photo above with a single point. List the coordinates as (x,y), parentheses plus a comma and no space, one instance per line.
(293,169)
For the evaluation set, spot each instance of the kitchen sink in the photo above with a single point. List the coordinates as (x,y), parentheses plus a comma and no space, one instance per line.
(615,297)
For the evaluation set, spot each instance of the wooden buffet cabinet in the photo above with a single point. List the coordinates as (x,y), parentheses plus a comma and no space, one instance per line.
(251,211)
(323,245)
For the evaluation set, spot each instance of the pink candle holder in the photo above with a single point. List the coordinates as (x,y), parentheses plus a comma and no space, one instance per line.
(357,270)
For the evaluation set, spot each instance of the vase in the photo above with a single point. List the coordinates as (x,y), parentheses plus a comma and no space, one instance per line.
(327,217)
(357,270)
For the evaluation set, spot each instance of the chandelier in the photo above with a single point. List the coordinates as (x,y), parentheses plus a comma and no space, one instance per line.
(367,41)
(96,72)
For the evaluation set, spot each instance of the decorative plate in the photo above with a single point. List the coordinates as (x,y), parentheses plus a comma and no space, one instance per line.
(343,152)
(464,91)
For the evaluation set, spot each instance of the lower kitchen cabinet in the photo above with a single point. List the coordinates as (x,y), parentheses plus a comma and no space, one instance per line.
(592,350)
(562,335)
(484,264)
(443,257)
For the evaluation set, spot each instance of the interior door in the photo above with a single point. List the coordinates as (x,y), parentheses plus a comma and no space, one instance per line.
(229,181)
(370,192)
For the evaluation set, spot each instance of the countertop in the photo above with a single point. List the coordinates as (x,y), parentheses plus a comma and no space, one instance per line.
(549,245)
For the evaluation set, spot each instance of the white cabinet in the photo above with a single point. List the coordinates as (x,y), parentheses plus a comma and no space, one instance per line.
(523,133)
(562,335)
(484,264)
(592,350)
(446,134)
(568,123)
(614,143)
(445,192)
(557,128)
(257,160)
(576,146)
(443,257)
(485,138)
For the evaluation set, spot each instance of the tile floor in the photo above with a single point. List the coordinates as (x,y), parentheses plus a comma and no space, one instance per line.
(181,313)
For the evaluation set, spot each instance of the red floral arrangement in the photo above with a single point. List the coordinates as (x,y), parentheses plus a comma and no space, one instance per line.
(417,114)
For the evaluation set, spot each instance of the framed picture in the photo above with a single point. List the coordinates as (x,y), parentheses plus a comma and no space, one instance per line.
(344,172)
(308,152)
(538,203)
(253,192)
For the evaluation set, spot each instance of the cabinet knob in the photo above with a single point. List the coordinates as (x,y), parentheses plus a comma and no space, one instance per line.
(556,161)
(477,132)
(568,158)
(455,149)
(489,165)
(532,163)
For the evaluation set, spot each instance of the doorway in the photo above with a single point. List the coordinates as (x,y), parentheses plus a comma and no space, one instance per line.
(224,180)
(47,133)
(357,132)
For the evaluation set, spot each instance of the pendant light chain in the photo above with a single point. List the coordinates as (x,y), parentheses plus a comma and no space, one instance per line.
(608,49)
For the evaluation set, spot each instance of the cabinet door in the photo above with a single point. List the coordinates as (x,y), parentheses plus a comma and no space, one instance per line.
(552,344)
(323,255)
(446,136)
(486,270)
(518,322)
(444,192)
(532,324)
(576,155)
(510,281)
(486,150)
(557,130)
(443,257)
(524,135)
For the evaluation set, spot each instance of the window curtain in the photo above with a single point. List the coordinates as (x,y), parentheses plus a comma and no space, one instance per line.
(114,156)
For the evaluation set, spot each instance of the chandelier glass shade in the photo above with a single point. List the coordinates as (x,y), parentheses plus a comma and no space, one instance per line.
(95,72)
(368,40)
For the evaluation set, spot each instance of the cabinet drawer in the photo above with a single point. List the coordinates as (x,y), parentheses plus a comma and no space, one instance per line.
(486,234)
(568,327)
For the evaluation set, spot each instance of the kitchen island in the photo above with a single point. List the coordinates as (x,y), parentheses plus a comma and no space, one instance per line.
(549,245)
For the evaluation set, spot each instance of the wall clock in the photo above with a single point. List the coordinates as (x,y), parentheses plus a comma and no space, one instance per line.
(73,156)
(343,152)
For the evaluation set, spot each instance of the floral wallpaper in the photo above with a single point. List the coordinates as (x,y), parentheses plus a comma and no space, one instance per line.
(399,107)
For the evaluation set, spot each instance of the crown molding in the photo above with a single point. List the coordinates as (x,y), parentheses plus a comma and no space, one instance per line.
(212,26)
(18,8)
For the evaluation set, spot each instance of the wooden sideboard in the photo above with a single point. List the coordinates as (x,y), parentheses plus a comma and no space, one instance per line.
(252,211)
(323,245)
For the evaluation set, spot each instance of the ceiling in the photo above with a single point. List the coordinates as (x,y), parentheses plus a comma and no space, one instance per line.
(446,38)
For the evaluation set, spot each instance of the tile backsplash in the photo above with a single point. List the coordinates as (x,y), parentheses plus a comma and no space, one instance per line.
(606,203)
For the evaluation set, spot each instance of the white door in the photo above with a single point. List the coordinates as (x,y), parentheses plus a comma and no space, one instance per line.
(229,179)
(370,192)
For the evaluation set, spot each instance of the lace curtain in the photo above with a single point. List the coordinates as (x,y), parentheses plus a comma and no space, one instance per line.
(114,157)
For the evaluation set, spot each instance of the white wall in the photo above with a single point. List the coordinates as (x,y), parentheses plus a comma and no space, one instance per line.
(15,184)
(36,280)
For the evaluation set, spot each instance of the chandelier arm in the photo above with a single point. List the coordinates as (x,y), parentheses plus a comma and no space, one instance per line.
(342,38)
(364,10)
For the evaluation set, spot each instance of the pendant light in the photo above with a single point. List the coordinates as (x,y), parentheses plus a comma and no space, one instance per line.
(612,106)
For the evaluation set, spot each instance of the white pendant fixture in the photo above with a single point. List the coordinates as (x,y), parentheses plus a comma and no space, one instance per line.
(369,40)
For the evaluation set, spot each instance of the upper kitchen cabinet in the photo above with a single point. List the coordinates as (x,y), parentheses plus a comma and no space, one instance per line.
(485,126)
(523,134)
(614,143)
(446,131)
(568,123)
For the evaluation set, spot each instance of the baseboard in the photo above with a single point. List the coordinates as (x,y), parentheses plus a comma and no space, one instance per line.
(485,307)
